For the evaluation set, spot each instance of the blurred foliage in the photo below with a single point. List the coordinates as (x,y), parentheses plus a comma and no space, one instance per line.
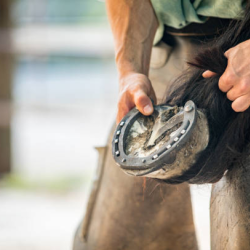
(58,11)
(57,185)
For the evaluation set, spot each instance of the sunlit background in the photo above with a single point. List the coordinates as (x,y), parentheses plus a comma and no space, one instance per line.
(58,73)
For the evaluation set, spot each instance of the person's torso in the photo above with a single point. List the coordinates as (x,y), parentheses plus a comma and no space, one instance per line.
(180,13)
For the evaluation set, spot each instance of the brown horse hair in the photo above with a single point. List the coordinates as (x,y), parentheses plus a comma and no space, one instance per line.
(229,130)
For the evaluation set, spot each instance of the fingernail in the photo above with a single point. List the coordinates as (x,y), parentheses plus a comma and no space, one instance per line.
(148,109)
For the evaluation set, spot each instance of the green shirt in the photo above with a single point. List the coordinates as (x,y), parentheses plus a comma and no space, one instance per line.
(180,13)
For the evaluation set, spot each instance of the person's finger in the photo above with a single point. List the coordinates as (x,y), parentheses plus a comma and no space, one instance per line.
(208,74)
(241,104)
(231,95)
(143,103)
(240,89)
(121,113)
(227,81)
(228,52)
(124,106)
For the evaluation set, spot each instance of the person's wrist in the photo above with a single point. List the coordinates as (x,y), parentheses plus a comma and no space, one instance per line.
(126,68)
(133,78)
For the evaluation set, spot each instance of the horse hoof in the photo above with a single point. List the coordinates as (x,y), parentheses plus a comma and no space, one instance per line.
(164,145)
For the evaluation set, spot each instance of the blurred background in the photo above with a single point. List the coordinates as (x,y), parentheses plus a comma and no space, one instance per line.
(58,91)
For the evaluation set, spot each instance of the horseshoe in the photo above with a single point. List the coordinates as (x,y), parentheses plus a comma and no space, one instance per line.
(167,153)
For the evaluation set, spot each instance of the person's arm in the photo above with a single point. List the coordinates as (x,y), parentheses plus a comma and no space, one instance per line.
(235,81)
(133,24)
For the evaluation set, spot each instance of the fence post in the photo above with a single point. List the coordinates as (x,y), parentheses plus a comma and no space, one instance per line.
(5,86)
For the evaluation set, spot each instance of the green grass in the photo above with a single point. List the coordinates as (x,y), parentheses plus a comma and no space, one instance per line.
(57,185)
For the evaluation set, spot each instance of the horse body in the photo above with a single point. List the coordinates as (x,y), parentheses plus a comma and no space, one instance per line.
(127,214)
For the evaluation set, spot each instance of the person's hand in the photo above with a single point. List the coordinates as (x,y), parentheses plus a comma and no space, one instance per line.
(135,90)
(235,81)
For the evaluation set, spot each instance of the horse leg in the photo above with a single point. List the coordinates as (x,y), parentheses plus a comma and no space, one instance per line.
(230,210)
(126,212)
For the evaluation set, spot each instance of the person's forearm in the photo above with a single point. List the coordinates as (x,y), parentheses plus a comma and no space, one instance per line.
(133,24)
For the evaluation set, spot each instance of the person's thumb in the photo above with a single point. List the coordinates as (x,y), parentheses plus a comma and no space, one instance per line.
(143,103)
